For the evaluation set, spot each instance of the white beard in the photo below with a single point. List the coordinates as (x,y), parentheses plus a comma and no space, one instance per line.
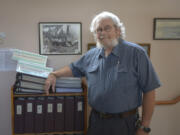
(113,43)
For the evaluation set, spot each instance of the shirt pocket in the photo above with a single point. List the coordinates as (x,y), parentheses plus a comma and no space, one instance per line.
(92,74)
(122,69)
(92,68)
(125,76)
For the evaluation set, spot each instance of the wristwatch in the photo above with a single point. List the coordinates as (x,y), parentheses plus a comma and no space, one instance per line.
(145,129)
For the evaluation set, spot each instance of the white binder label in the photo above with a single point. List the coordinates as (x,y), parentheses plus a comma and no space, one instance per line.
(39,109)
(19,109)
(59,107)
(79,106)
(50,108)
(29,107)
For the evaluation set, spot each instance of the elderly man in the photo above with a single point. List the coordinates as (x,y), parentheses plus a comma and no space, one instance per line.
(118,73)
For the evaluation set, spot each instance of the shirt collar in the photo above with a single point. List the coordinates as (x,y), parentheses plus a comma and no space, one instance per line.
(102,53)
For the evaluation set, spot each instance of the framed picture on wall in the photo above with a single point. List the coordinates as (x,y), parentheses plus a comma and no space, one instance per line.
(58,38)
(166,29)
(146,46)
(91,45)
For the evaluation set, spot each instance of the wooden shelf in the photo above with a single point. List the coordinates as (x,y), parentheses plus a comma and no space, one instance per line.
(84,93)
(52,94)
(51,133)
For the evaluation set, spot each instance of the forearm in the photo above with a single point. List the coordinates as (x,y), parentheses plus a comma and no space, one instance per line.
(63,72)
(148,107)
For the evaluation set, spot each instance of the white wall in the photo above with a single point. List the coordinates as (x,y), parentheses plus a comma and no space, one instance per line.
(19,20)
(6,80)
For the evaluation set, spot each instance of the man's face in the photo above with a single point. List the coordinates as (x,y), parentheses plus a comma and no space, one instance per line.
(106,32)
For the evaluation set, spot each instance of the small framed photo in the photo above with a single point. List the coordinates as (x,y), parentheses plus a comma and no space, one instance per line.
(91,45)
(166,29)
(146,46)
(60,38)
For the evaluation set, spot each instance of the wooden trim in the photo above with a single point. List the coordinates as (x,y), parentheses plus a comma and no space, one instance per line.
(85,105)
(12,111)
(84,94)
(51,94)
(52,133)
(168,102)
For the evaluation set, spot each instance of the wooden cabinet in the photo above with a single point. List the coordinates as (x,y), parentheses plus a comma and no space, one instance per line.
(84,94)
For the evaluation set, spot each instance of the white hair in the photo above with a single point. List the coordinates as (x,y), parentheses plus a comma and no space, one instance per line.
(109,15)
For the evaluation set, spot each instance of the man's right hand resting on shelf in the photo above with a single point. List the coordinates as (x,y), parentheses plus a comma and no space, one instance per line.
(51,80)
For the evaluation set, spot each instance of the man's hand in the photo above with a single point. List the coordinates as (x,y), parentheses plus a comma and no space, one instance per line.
(50,82)
(141,132)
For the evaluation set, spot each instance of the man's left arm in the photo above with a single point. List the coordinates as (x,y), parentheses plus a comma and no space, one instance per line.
(147,110)
(148,81)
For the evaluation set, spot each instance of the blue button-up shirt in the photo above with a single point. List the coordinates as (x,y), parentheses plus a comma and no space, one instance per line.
(116,82)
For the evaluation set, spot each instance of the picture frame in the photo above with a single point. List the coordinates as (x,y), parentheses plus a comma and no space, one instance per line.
(91,45)
(166,29)
(146,46)
(60,38)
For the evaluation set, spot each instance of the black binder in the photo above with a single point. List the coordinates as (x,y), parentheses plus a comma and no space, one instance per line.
(29,115)
(20,90)
(19,115)
(39,115)
(59,114)
(29,85)
(69,113)
(79,113)
(49,114)
(31,78)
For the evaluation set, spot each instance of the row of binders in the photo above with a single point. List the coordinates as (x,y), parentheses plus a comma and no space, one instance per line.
(31,84)
(48,114)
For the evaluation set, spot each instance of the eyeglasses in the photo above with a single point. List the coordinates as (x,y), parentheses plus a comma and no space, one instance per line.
(107,28)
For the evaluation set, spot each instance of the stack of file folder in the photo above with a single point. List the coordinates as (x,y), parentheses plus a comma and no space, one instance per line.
(31,84)
(32,73)
(68,84)
(31,63)
(48,114)
(24,62)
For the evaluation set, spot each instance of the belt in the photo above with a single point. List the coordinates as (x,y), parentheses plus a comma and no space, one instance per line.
(112,115)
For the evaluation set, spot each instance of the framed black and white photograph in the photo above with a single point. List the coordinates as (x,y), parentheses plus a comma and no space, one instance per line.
(56,38)
(166,29)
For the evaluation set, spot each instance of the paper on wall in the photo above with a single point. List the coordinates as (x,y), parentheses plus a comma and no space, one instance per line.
(6,63)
